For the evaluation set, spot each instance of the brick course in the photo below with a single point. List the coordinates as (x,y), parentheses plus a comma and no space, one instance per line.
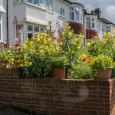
(61,97)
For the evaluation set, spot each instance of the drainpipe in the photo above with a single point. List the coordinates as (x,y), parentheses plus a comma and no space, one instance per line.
(7,26)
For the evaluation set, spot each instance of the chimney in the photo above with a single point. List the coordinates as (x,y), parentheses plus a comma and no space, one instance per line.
(98,12)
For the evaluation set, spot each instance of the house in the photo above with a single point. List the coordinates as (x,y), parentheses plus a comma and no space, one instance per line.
(23,19)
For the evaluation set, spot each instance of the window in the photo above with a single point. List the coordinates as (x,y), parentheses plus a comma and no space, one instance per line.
(19,0)
(30,1)
(20,27)
(30,28)
(50,6)
(47,4)
(108,28)
(88,23)
(61,10)
(76,14)
(71,13)
(36,28)
(103,28)
(42,3)
(36,2)
(99,27)
(93,23)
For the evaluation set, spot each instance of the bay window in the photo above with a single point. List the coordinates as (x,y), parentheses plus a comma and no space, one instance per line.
(50,6)
(76,14)
(91,23)
(47,4)
(36,2)
(42,3)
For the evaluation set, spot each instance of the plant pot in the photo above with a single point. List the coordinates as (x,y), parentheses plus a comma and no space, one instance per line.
(59,73)
(3,64)
(15,65)
(104,74)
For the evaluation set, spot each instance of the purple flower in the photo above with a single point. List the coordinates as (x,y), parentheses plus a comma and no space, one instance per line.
(71,57)
(73,61)
(62,55)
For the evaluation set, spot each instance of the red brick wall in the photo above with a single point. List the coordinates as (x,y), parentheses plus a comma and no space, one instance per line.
(77,28)
(61,97)
(90,34)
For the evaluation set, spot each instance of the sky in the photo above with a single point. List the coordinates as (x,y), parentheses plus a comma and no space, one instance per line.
(107,7)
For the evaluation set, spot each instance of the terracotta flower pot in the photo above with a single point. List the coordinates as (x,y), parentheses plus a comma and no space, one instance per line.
(3,64)
(15,65)
(59,73)
(104,74)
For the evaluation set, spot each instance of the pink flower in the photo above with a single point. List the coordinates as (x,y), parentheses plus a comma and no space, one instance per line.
(16,40)
(2,51)
(92,42)
(62,52)
(9,52)
(11,46)
(71,57)
(95,37)
(73,61)
(72,42)
(2,45)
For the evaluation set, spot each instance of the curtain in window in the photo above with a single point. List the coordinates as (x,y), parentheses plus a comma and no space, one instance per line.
(71,15)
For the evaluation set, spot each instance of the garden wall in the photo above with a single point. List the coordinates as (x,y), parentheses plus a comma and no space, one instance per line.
(61,97)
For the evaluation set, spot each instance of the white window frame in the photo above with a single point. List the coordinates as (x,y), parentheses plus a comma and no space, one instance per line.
(91,22)
(103,28)
(19,0)
(80,12)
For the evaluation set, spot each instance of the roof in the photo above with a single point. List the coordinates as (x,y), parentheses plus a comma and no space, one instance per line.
(89,13)
(73,3)
(105,21)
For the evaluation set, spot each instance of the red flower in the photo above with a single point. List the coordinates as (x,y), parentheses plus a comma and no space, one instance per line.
(84,59)
(19,48)
(54,38)
(16,45)
(2,45)
(88,62)
(93,71)
(100,40)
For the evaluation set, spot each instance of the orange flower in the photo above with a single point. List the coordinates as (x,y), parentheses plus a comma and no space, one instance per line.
(84,59)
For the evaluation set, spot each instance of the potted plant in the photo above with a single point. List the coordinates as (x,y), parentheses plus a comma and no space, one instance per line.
(4,58)
(59,64)
(104,65)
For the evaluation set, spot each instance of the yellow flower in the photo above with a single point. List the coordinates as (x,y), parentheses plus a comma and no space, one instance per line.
(83,36)
(46,47)
(104,34)
(103,39)
(12,59)
(113,31)
(74,43)
(79,36)
(57,38)
(108,33)
(63,33)
(34,51)
(41,51)
(24,46)
(46,34)
(49,40)
(66,24)
(38,39)
(70,33)
(83,55)
(69,27)
(88,44)
(30,50)
(78,47)
(73,38)
(38,35)
(72,52)
(21,65)
(61,43)
(30,63)
(57,47)
(42,33)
